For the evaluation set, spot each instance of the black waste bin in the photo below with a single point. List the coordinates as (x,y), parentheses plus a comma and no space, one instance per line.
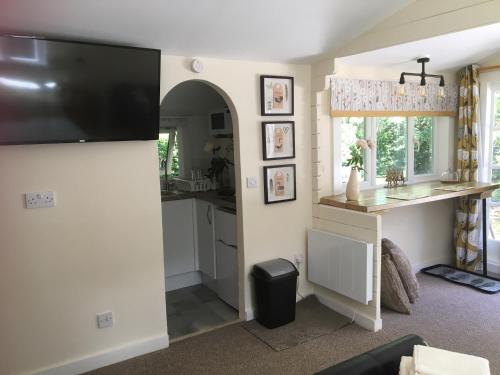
(275,288)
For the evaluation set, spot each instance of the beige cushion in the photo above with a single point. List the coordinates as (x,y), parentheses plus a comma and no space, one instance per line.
(393,296)
(403,266)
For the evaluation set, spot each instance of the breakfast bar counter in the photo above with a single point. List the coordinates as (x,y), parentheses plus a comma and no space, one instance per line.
(387,198)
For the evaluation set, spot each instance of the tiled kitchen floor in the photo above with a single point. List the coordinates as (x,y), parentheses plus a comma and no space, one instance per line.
(194,309)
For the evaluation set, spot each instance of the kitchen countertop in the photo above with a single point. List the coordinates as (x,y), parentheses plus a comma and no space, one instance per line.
(208,196)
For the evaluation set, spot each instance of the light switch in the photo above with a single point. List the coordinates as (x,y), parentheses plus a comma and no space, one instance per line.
(252,182)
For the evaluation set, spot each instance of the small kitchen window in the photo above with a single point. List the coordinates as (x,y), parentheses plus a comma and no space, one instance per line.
(168,152)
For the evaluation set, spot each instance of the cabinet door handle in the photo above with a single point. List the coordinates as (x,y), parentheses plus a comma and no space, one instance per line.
(209,215)
(227,244)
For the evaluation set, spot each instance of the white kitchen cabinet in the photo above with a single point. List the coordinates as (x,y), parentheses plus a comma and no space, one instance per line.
(226,256)
(178,236)
(205,229)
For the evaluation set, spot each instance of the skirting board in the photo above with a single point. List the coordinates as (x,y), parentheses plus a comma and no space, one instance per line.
(108,357)
(441,260)
(182,281)
(361,320)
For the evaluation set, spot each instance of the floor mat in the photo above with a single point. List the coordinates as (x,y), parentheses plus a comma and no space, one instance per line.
(312,320)
(484,284)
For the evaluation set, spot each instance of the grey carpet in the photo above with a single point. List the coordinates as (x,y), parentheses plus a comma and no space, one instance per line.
(447,315)
(312,320)
(482,283)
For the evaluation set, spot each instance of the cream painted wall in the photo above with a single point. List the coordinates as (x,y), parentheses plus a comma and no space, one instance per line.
(98,249)
(424,232)
(264,231)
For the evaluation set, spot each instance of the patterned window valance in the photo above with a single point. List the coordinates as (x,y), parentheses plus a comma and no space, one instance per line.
(362,97)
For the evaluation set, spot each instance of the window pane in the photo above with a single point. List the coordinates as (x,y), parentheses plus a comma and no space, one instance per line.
(497,110)
(163,151)
(391,145)
(494,209)
(422,143)
(495,222)
(495,160)
(163,148)
(352,129)
(175,156)
(495,148)
(495,177)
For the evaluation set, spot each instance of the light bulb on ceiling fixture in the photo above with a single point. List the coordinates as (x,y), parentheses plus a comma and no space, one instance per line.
(401,88)
(421,89)
(441,92)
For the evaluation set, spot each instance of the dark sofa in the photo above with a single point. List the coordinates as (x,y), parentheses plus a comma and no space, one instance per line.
(383,360)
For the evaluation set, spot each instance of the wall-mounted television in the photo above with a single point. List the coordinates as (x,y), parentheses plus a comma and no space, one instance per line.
(54,91)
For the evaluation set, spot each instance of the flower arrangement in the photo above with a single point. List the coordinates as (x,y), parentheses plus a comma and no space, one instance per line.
(219,162)
(357,151)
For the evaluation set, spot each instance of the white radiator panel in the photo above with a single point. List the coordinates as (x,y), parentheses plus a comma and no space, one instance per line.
(341,264)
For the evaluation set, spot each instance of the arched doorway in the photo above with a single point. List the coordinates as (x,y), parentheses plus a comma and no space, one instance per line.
(200,176)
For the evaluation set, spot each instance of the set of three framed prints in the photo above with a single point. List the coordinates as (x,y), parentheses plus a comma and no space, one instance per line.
(278,138)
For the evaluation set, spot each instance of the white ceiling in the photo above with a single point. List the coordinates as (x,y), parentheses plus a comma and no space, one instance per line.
(268,30)
(449,51)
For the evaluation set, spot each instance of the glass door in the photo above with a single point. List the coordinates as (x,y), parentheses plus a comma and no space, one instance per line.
(494,170)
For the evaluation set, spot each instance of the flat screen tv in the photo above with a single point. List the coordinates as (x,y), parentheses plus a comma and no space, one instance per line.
(55,91)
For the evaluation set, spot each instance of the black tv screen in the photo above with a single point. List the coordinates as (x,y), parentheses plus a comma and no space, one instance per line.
(55,91)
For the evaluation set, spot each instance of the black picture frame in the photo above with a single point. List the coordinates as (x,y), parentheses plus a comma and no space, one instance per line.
(289,139)
(291,100)
(269,196)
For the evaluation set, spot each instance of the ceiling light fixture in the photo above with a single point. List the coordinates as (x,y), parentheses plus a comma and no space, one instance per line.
(423,75)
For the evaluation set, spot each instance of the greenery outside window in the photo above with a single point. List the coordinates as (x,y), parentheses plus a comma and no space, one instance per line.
(168,152)
(409,143)
(352,128)
(423,146)
(392,142)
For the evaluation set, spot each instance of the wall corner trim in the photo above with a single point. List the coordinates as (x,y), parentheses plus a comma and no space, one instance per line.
(107,357)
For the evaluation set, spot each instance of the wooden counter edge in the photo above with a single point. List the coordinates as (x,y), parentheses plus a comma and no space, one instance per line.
(479,192)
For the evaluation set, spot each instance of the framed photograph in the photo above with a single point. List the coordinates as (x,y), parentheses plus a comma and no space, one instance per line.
(279,183)
(278,140)
(276,96)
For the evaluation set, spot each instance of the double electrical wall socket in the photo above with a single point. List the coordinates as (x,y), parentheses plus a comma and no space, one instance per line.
(105,319)
(40,199)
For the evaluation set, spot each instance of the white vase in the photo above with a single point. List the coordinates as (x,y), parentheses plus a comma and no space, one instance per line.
(352,188)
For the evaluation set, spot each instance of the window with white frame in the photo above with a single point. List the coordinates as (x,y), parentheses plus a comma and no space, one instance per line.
(409,143)
(494,163)
(168,152)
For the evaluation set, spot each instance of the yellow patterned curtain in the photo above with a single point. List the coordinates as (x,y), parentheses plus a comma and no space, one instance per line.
(467,221)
